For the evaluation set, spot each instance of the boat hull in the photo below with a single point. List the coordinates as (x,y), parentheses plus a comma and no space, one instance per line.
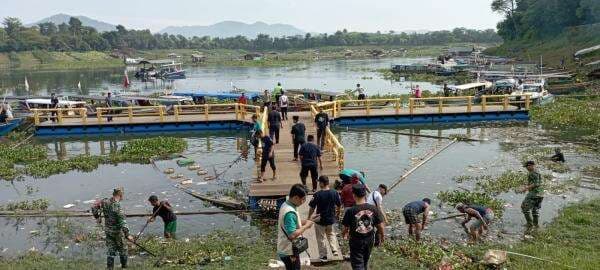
(10,126)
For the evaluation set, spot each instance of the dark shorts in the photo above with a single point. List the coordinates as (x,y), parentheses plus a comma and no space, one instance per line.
(361,96)
(410,215)
(171,227)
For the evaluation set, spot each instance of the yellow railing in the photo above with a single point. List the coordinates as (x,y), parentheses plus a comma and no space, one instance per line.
(132,113)
(59,114)
(331,141)
(398,106)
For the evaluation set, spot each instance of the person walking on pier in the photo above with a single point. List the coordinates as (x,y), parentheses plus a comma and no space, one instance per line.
(360,91)
(283,105)
(291,227)
(53,105)
(164,210)
(533,200)
(298,135)
(483,217)
(327,204)
(108,101)
(310,157)
(277,92)
(268,155)
(274,119)
(410,213)
(361,222)
(254,138)
(322,121)
(115,227)
(266,97)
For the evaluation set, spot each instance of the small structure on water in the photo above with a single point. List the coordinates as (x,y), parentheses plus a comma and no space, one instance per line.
(198,58)
(253,56)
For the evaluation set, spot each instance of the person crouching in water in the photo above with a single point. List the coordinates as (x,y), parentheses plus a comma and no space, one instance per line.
(483,217)
(164,210)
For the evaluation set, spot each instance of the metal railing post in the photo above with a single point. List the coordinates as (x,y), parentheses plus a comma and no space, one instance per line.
(397,106)
(368,104)
(469,103)
(206,112)
(440,105)
(505,103)
(99,114)
(483,103)
(83,113)
(411,105)
(59,115)
(130,114)
(161,113)
(235,107)
(36,117)
(527,100)
(176,112)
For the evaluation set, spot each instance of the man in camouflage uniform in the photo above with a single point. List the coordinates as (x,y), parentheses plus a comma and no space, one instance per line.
(115,227)
(533,200)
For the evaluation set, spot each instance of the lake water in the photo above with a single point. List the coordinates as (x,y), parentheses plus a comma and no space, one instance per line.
(331,75)
(383,156)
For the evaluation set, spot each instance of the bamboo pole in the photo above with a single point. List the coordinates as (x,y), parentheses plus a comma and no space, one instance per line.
(414,168)
(416,135)
(19,214)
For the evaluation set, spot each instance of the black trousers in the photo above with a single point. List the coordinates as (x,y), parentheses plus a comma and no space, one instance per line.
(289,265)
(297,146)
(360,251)
(314,175)
(274,133)
(263,163)
(284,111)
(361,96)
(321,137)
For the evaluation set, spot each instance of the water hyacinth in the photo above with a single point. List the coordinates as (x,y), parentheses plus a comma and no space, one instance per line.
(570,113)
(39,204)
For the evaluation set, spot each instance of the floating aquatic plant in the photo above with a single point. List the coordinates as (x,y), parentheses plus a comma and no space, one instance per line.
(454,197)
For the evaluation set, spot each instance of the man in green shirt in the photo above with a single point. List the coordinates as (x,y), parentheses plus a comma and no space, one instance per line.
(277,92)
(535,194)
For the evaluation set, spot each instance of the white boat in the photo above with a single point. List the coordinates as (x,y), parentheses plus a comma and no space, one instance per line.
(536,89)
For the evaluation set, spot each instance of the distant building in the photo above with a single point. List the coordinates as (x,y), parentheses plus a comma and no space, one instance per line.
(173,55)
(198,58)
(253,56)
(461,51)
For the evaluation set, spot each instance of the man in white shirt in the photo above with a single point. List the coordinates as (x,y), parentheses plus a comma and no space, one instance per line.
(360,91)
(376,199)
(283,105)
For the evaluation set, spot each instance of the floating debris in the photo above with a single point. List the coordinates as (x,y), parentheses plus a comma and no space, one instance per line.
(210,177)
(175,177)
(169,171)
(202,172)
(186,182)
(67,206)
(193,167)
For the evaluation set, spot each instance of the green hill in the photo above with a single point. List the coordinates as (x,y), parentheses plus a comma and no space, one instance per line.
(552,48)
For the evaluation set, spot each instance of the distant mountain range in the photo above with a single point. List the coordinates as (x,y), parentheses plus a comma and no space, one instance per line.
(232,28)
(64,18)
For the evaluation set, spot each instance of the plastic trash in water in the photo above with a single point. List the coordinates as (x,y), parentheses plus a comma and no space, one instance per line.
(227,258)
(67,206)
(89,201)
(275,263)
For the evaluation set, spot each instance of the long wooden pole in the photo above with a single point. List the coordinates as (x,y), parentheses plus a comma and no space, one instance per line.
(416,135)
(414,168)
(17,214)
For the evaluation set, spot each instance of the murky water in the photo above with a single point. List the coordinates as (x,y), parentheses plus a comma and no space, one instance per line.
(334,75)
(383,156)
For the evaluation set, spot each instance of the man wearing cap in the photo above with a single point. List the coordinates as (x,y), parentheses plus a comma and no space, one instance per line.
(535,195)
(361,222)
(164,210)
(115,227)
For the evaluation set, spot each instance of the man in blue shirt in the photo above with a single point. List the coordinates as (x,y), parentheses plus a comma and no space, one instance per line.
(268,155)
(411,211)
(310,156)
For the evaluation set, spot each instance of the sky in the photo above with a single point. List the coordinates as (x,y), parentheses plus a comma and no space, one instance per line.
(309,15)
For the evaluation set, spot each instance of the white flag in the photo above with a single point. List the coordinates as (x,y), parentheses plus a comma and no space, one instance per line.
(26,85)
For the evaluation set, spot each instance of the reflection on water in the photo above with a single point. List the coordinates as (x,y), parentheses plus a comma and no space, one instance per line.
(333,75)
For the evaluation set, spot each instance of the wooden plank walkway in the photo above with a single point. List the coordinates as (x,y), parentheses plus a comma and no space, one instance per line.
(146,119)
(390,110)
(288,171)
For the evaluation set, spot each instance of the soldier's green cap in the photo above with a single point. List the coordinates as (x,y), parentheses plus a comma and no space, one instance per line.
(530,162)
(118,190)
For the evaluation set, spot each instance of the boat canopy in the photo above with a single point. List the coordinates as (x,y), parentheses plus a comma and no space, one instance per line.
(156,62)
(217,95)
(44,101)
(471,86)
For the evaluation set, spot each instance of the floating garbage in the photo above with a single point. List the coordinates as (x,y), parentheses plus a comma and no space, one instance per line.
(210,177)
(185,162)
(275,263)
(186,182)
(202,183)
(169,171)
(202,172)
(227,258)
(193,167)
(89,201)
(175,177)
(495,257)
(67,206)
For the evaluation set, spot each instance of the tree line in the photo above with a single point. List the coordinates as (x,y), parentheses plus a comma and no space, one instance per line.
(73,36)
(534,19)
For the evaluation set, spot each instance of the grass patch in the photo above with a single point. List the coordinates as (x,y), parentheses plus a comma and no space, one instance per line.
(39,204)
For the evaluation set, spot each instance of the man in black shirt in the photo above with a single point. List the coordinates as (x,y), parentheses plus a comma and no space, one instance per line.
(328,204)
(360,222)
(558,156)
(274,119)
(268,155)
(164,210)
(322,121)
(310,155)
(53,105)
(298,131)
